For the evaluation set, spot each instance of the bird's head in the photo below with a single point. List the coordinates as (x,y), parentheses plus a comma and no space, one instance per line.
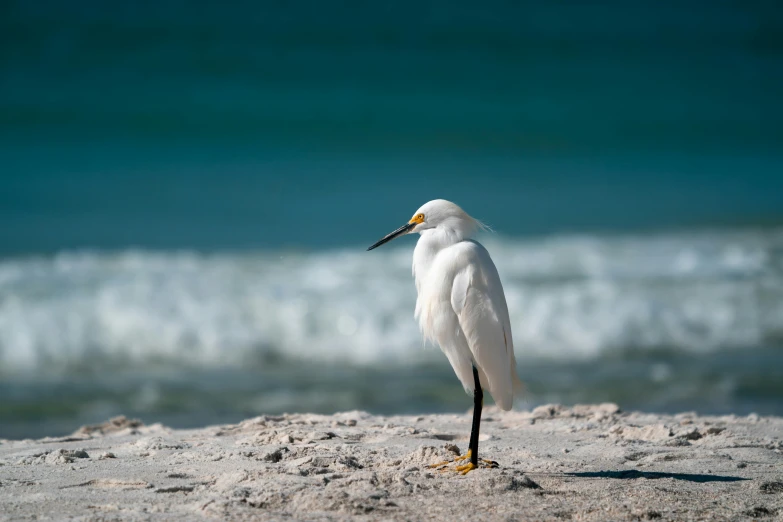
(437,214)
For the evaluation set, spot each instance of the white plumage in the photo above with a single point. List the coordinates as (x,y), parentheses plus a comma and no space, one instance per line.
(461,305)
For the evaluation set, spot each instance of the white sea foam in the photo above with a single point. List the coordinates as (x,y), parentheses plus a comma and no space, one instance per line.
(569,297)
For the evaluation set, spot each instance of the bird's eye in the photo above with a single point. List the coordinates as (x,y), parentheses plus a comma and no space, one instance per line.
(420,217)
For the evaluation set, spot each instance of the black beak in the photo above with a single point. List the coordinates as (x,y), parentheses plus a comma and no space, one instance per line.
(388,237)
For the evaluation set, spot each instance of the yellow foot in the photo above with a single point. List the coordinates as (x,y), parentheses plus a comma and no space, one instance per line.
(483,463)
(467,468)
(466,456)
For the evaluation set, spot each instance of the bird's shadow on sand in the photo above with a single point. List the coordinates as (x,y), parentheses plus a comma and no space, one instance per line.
(634,474)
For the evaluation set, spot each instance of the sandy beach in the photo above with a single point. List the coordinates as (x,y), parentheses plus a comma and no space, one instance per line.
(590,462)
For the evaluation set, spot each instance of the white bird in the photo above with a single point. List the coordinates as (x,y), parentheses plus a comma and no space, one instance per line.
(461,307)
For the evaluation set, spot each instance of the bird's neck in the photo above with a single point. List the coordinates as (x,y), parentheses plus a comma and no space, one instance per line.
(429,244)
(442,237)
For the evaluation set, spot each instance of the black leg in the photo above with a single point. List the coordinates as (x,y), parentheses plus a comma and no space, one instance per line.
(478,402)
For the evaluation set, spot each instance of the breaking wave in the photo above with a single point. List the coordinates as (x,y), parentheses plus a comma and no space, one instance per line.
(569,298)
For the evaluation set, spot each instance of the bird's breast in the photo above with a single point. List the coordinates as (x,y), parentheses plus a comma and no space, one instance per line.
(437,319)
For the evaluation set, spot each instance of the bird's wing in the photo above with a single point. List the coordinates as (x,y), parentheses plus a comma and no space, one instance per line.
(478,300)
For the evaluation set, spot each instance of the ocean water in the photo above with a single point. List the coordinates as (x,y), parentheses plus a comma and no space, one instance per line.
(187,193)
(660,322)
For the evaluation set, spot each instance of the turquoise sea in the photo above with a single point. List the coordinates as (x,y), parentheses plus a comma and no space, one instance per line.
(187,190)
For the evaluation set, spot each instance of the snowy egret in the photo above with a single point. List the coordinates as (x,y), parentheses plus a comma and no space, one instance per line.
(461,307)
